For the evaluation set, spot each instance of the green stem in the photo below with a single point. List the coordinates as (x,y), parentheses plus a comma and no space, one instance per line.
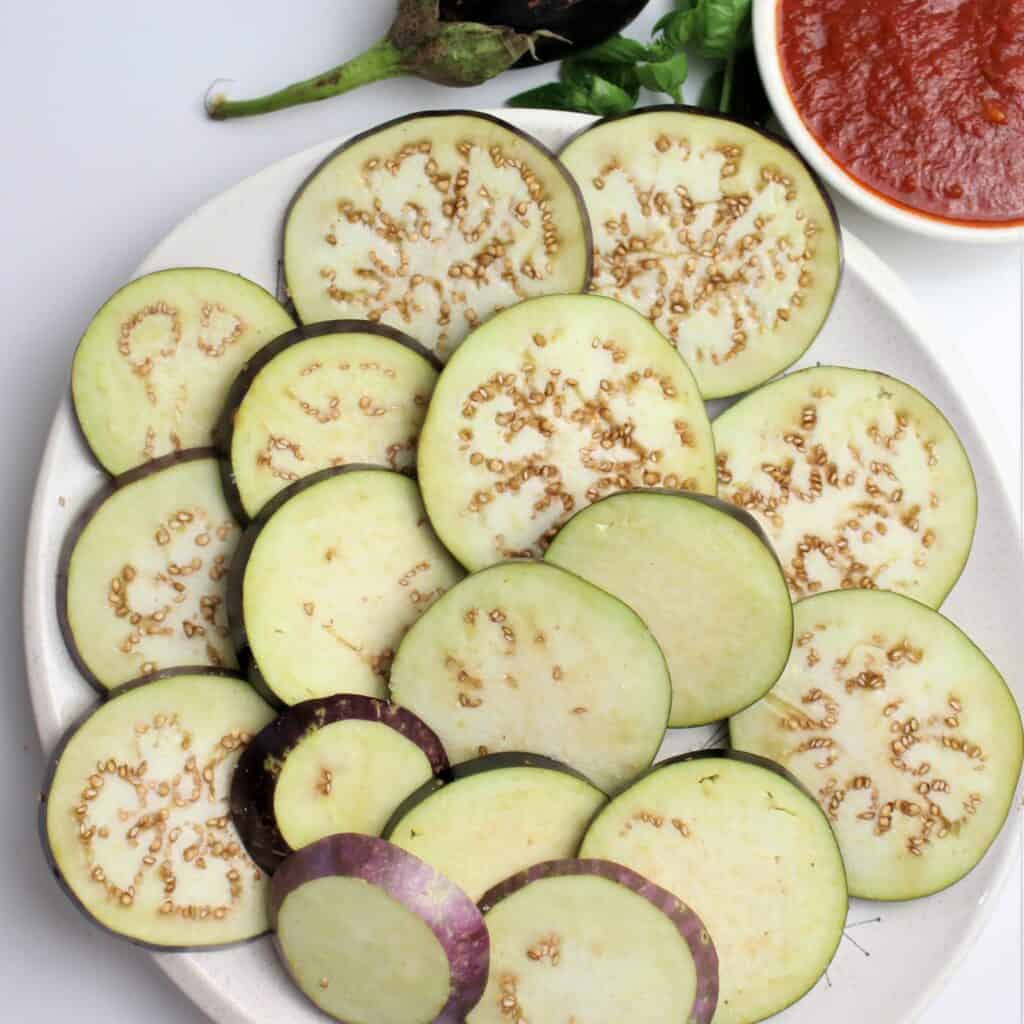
(382,60)
(726,98)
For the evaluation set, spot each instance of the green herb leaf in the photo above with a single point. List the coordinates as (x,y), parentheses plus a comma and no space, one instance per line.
(747,98)
(607,98)
(554,96)
(665,76)
(676,27)
(616,50)
(720,27)
(591,89)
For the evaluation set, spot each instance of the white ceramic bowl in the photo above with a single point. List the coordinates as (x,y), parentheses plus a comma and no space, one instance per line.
(766,46)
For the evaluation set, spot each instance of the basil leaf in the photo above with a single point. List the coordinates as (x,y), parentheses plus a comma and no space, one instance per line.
(555,96)
(607,98)
(720,27)
(616,50)
(582,73)
(676,27)
(665,76)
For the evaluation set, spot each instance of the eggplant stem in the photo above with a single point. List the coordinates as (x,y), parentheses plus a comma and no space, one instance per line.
(382,60)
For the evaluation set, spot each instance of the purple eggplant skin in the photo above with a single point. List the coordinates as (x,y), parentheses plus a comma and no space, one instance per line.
(686,921)
(579,23)
(130,476)
(254,782)
(449,913)
(223,433)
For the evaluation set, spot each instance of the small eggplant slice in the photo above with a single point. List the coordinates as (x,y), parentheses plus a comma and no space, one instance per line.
(328,579)
(593,941)
(372,935)
(143,576)
(527,656)
(738,839)
(858,480)
(328,395)
(704,578)
(550,406)
(336,764)
(430,224)
(905,731)
(153,369)
(135,813)
(718,232)
(493,816)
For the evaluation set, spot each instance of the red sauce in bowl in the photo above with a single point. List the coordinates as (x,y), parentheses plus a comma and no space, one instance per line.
(920,100)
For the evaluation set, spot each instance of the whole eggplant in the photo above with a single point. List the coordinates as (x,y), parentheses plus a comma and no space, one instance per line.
(452,42)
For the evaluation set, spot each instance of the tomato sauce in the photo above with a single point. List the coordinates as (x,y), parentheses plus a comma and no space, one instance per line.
(920,100)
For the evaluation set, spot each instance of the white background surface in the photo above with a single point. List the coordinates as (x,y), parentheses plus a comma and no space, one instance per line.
(105,149)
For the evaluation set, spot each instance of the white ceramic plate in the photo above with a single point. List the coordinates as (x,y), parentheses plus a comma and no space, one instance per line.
(895,957)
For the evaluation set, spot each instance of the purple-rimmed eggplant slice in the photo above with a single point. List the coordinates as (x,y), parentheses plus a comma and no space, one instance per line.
(135,820)
(331,394)
(488,818)
(432,222)
(550,406)
(703,576)
(858,480)
(335,764)
(737,838)
(328,579)
(905,731)
(593,941)
(152,371)
(716,231)
(373,935)
(527,656)
(142,580)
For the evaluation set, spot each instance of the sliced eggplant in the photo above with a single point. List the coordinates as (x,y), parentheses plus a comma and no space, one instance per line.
(588,940)
(153,369)
(739,840)
(431,223)
(328,579)
(135,817)
(858,480)
(372,935)
(336,764)
(494,816)
(716,231)
(326,395)
(704,578)
(905,732)
(143,575)
(550,406)
(527,656)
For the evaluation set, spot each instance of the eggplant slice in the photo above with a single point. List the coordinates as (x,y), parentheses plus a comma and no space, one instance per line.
(153,369)
(550,406)
(717,232)
(372,935)
(904,731)
(328,579)
(328,395)
(135,813)
(336,764)
(739,840)
(143,576)
(592,941)
(858,480)
(493,816)
(431,223)
(526,656)
(704,578)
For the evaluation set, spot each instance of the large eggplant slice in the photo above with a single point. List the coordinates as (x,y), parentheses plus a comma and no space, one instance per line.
(153,369)
(432,222)
(328,579)
(135,812)
(904,731)
(493,816)
(554,404)
(373,935)
(858,480)
(143,574)
(704,578)
(326,395)
(527,656)
(739,840)
(717,232)
(588,940)
(336,764)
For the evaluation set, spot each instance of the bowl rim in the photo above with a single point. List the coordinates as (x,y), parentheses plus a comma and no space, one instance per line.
(765,26)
